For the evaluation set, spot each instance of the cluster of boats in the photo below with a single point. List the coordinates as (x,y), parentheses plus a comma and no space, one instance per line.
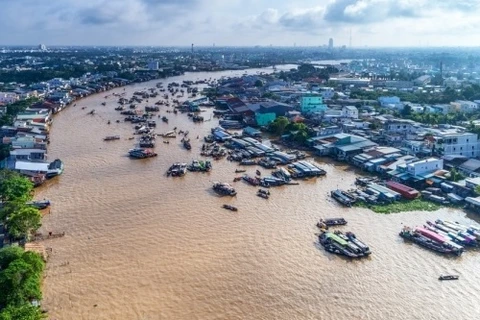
(213,150)
(444,237)
(200,166)
(345,244)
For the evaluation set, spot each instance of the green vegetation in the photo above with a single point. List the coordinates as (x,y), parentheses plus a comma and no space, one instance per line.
(279,126)
(455,176)
(401,206)
(20,280)
(20,271)
(15,192)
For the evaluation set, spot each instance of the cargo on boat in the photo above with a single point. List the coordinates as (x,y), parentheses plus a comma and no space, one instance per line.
(411,235)
(343,197)
(406,191)
(343,244)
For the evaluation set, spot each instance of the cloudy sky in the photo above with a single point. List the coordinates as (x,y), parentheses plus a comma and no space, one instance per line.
(240,22)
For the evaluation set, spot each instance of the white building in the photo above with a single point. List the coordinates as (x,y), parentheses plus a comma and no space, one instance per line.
(8,97)
(424,166)
(463,106)
(350,112)
(457,143)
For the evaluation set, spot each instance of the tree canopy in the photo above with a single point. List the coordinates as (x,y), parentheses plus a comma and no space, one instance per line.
(20,279)
(14,187)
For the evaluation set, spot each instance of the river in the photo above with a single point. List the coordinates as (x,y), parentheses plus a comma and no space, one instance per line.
(140,245)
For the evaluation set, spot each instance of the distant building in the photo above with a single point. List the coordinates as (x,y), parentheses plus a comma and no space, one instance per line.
(153,65)
(463,106)
(330,43)
(389,102)
(424,166)
(42,47)
(8,97)
(312,104)
(422,80)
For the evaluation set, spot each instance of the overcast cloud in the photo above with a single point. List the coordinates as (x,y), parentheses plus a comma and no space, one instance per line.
(240,22)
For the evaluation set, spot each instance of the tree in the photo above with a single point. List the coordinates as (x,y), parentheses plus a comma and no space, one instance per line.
(9,254)
(279,125)
(477,189)
(406,111)
(24,312)
(258,83)
(22,220)
(455,175)
(14,187)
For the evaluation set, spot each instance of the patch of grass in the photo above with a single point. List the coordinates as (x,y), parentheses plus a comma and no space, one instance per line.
(401,206)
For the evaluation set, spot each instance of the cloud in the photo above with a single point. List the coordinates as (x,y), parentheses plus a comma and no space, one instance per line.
(369,11)
(235,22)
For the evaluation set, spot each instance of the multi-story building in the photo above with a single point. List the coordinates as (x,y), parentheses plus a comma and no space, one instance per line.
(457,143)
(422,167)
(463,106)
(350,112)
(8,97)
(312,104)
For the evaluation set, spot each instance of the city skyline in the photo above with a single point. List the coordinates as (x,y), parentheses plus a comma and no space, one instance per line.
(370,23)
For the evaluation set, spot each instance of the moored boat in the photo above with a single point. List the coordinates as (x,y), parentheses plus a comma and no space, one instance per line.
(325,223)
(141,153)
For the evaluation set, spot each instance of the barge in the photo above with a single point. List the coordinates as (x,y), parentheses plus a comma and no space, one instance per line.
(330,222)
(341,244)
(410,235)
(343,197)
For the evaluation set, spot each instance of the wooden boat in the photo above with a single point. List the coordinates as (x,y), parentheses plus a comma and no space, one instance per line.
(110,138)
(229,207)
(262,195)
(240,171)
(448,277)
(325,223)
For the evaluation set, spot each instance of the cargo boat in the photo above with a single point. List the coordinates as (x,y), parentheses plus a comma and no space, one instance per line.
(343,197)
(177,169)
(330,222)
(419,239)
(406,191)
(340,244)
(140,153)
(224,189)
(229,207)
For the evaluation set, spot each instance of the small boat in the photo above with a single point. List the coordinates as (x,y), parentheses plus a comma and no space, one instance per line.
(41,204)
(224,189)
(240,171)
(448,277)
(187,145)
(104,104)
(264,191)
(236,179)
(325,223)
(258,173)
(110,138)
(262,195)
(229,207)
(92,112)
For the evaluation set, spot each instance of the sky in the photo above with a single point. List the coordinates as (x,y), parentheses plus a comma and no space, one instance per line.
(372,23)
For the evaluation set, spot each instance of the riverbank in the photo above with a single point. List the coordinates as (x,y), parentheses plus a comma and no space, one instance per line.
(401,206)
